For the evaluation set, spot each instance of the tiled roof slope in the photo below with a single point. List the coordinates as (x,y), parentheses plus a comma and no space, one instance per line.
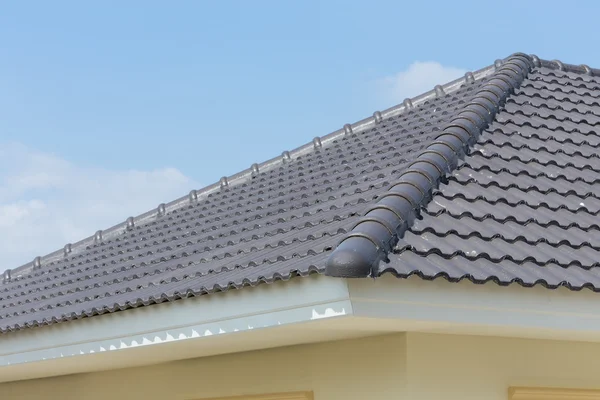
(521,206)
(339,204)
(275,220)
(524,205)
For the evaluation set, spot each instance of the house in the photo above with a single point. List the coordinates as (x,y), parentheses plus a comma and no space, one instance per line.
(448,247)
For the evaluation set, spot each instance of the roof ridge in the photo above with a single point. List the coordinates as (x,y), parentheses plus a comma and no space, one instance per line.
(242,176)
(393,213)
(559,65)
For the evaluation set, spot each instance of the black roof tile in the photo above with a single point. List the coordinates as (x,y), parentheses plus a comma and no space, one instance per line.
(492,177)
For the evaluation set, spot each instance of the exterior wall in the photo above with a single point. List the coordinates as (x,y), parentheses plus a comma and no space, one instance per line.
(407,366)
(330,370)
(469,367)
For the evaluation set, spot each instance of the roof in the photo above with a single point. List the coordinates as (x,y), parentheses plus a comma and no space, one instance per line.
(524,205)
(493,176)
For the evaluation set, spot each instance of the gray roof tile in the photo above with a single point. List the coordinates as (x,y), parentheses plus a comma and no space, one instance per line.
(507,162)
(523,206)
(280,218)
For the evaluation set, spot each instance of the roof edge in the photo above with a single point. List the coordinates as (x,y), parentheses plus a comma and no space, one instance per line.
(243,176)
(559,65)
(379,229)
(27,354)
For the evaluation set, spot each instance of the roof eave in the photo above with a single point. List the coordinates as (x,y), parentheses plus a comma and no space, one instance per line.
(309,310)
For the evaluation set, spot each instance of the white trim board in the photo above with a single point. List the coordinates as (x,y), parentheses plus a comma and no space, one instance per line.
(266,306)
(440,306)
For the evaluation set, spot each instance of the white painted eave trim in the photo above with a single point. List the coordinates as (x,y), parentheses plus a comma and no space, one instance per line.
(265,306)
(440,306)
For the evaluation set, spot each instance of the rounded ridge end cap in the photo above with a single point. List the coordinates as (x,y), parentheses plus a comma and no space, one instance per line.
(347,263)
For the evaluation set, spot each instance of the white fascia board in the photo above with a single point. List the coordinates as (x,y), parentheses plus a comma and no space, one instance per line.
(414,304)
(268,305)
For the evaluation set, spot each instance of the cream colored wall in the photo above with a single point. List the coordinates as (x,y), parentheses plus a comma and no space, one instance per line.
(412,366)
(462,367)
(358,369)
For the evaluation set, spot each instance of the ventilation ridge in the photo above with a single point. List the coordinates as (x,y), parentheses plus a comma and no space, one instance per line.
(377,232)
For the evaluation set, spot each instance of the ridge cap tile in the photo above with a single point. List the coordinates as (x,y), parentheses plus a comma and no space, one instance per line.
(359,252)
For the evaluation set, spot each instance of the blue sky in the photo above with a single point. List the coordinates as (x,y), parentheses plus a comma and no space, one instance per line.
(109,108)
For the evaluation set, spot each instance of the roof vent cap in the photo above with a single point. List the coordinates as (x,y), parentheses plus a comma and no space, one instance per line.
(439,91)
(317,143)
(587,69)
(378,117)
(559,65)
(6,276)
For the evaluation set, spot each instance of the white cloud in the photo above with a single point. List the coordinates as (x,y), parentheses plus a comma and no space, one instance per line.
(417,79)
(46,202)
